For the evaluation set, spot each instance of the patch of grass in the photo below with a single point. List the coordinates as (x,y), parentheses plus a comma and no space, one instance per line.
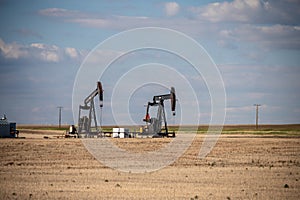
(285,129)
(50,128)
(43,127)
(262,132)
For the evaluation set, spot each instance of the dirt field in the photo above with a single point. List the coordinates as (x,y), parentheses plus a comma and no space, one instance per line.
(239,167)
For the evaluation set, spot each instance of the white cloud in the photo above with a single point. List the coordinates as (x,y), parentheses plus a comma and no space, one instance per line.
(247,13)
(49,53)
(240,109)
(171,8)
(251,108)
(92,22)
(274,36)
(93,19)
(37,52)
(119,22)
(72,52)
(266,24)
(250,11)
(12,50)
(44,46)
(113,22)
(237,10)
(270,108)
(59,12)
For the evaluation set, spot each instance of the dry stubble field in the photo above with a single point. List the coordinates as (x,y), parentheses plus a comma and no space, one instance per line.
(239,167)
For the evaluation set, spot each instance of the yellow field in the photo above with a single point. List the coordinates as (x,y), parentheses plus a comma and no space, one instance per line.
(241,166)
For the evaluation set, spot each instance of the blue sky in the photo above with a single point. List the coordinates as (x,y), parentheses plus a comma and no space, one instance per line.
(254,43)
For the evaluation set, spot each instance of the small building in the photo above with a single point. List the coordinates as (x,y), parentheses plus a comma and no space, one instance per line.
(8,129)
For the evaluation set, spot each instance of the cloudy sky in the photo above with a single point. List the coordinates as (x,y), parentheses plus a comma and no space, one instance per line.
(254,43)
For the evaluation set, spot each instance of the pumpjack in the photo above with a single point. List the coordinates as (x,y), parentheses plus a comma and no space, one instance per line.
(85,122)
(157,126)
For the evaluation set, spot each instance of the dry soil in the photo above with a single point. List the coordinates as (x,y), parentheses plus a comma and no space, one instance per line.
(239,167)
